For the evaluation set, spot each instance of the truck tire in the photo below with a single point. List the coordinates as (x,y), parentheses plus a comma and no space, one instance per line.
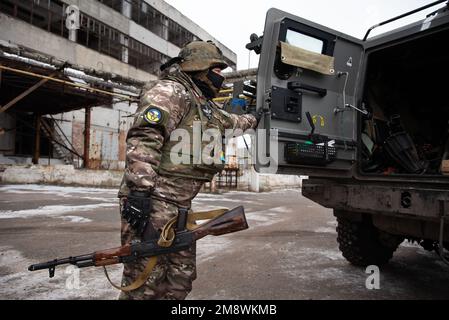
(360,243)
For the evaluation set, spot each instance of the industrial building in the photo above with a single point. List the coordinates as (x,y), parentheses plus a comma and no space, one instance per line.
(70,74)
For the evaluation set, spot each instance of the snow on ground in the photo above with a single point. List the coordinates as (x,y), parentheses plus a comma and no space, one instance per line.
(51,211)
(69,283)
(266,217)
(93,194)
(16,282)
(75,219)
(409,244)
(325,230)
(209,248)
(57,190)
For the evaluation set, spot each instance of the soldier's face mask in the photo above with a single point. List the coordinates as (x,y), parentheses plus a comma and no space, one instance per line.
(215,78)
(209,82)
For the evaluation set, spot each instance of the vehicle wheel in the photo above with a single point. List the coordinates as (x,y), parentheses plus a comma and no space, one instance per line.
(362,244)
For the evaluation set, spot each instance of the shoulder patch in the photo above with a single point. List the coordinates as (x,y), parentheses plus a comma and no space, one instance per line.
(153,115)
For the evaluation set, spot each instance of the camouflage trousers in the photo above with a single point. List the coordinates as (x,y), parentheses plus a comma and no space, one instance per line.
(172,277)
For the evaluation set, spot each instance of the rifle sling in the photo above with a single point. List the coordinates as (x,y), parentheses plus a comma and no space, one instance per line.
(141,279)
(166,240)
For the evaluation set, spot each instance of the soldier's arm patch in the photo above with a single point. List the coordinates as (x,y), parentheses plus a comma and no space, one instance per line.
(153,115)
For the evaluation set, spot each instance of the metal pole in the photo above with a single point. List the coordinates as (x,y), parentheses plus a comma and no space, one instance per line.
(240,75)
(50,78)
(37,139)
(87,124)
(24,94)
(52,63)
(50,146)
(401,16)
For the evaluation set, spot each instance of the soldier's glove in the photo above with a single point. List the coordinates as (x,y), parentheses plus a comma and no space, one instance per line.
(256,113)
(136,210)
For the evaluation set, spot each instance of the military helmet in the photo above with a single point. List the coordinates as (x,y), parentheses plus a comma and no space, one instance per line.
(200,56)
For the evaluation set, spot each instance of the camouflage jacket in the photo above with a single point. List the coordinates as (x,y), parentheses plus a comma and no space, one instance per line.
(167,104)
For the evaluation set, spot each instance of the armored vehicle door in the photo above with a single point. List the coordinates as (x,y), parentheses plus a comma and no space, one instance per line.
(307,84)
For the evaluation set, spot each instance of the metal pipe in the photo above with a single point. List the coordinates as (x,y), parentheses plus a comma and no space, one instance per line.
(80,86)
(441,238)
(240,75)
(70,73)
(222,99)
(22,52)
(401,16)
(37,139)
(87,123)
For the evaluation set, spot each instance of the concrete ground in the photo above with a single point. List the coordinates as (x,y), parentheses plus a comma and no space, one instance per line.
(289,252)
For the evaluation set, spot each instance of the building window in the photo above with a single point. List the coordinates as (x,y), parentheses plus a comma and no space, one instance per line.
(304,41)
(114,4)
(144,57)
(50,16)
(151,19)
(45,14)
(178,35)
(100,37)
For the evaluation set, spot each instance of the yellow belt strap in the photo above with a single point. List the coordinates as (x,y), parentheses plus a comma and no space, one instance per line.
(141,279)
(166,240)
(193,217)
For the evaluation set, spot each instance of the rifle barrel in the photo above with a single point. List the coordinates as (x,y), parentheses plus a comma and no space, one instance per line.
(80,261)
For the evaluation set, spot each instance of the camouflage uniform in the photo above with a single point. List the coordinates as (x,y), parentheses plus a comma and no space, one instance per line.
(172,102)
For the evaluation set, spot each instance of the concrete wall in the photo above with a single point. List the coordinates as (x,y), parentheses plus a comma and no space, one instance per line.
(61,175)
(67,175)
(120,22)
(29,36)
(13,161)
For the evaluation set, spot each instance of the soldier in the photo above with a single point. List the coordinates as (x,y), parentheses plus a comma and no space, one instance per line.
(154,188)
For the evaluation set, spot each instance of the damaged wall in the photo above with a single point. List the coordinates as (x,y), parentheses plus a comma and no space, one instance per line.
(60,175)
(107,134)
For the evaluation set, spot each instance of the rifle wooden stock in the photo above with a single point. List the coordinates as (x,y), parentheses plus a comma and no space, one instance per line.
(231,221)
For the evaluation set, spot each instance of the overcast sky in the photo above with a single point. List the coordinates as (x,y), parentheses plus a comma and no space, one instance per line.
(232,21)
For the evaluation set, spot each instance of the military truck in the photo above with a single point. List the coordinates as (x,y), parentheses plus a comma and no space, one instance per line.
(368,121)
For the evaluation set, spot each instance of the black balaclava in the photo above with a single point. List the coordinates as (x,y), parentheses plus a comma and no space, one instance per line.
(208,82)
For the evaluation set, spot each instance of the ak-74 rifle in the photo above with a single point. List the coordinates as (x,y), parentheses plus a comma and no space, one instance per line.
(226,222)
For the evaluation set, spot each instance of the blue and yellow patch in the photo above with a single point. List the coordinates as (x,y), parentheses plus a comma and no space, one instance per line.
(153,115)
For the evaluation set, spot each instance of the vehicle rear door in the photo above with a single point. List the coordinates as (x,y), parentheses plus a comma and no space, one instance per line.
(307,88)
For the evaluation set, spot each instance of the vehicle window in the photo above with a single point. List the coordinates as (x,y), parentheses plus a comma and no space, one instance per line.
(303,41)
